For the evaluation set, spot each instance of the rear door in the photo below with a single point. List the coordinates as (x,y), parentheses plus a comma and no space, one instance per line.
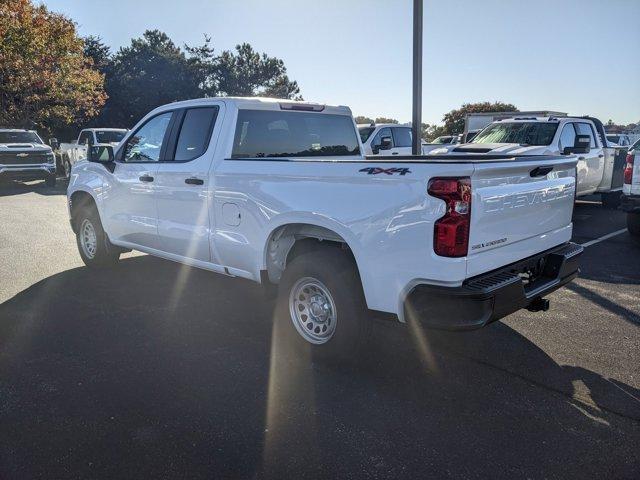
(519,208)
(183,184)
(401,141)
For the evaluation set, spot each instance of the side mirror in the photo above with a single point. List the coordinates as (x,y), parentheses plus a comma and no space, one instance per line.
(385,143)
(582,144)
(53,143)
(100,154)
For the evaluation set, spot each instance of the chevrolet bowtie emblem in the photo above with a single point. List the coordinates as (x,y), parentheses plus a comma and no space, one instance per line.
(22,155)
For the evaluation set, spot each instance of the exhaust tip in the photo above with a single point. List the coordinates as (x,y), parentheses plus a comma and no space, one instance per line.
(539,305)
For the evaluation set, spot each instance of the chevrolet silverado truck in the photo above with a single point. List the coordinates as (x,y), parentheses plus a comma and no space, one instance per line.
(70,153)
(279,192)
(24,156)
(631,191)
(600,165)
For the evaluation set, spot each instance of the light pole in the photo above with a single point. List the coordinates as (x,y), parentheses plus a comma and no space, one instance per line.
(416,148)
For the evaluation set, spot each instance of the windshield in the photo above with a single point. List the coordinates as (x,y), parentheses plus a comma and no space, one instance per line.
(365,132)
(110,136)
(522,133)
(19,137)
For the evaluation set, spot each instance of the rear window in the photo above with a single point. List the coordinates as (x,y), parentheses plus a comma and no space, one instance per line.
(522,133)
(110,136)
(266,133)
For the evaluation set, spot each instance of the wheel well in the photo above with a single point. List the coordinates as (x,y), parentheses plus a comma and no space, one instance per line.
(290,241)
(79,201)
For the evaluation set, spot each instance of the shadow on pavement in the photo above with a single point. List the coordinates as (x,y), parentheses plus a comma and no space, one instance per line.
(15,187)
(155,370)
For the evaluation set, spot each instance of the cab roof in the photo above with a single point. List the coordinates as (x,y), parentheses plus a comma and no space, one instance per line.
(261,103)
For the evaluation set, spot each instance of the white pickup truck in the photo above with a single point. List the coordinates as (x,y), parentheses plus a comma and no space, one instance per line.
(280,193)
(70,153)
(600,165)
(631,191)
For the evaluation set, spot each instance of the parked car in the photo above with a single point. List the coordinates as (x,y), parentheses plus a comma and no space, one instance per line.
(631,191)
(618,139)
(70,153)
(279,192)
(24,156)
(386,139)
(600,167)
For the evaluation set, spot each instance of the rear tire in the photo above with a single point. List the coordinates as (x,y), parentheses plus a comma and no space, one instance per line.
(94,246)
(321,310)
(611,200)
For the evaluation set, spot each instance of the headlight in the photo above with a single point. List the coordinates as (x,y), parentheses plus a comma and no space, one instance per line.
(51,158)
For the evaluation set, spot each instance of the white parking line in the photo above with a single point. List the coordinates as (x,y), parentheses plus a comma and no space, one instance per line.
(604,237)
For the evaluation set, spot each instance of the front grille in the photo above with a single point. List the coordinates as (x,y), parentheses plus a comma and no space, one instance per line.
(32,158)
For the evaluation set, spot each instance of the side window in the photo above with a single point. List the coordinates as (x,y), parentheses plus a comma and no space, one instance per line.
(195,133)
(145,144)
(567,137)
(385,132)
(586,129)
(401,136)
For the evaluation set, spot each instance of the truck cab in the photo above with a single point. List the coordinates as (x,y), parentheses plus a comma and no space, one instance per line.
(71,153)
(386,139)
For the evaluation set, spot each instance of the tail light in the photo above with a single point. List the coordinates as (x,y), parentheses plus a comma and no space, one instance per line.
(451,232)
(628,169)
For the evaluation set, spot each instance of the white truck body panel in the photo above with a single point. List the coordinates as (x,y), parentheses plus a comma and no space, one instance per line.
(226,224)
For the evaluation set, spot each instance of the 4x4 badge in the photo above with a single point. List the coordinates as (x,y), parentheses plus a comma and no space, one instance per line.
(386,171)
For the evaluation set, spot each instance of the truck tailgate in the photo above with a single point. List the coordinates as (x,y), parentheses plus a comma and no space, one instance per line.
(518,209)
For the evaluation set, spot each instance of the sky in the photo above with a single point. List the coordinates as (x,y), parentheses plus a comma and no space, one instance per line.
(575,56)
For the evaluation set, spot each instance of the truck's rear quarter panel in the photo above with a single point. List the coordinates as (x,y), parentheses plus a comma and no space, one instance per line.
(387,220)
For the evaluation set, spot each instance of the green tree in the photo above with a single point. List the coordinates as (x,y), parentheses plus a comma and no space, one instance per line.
(95,49)
(46,81)
(152,71)
(362,119)
(245,72)
(386,120)
(454,120)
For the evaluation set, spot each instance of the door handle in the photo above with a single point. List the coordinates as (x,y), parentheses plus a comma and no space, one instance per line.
(146,178)
(194,181)
(394,153)
(540,171)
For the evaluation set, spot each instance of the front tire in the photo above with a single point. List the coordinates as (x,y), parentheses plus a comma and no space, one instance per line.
(321,310)
(94,246)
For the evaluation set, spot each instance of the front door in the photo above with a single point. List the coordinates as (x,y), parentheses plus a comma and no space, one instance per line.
(130,204)
(594,160)
(183,189)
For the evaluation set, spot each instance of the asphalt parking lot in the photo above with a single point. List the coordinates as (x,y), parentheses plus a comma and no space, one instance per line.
(154,370)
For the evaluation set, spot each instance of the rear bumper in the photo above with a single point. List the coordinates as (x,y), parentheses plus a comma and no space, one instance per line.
(630,203)
(494,295)
(28,172)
